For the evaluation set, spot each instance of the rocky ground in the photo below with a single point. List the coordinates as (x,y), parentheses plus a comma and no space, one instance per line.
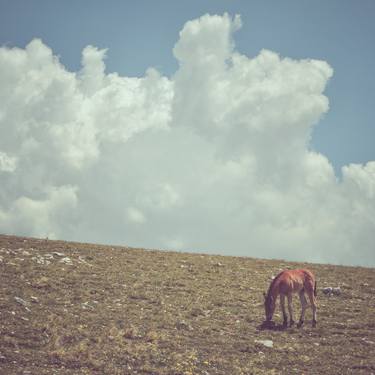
(69,308)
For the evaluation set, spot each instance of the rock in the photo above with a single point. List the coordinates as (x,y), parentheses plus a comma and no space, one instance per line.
(181,324)
(22,302)
(58,254)
(42,282)
(41,260)
(266,343)
(66,260)
(86,306)
(368,342)
(81,259)
(330,290)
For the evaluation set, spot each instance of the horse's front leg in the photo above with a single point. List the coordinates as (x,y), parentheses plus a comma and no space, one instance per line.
(282,304)
(290,308)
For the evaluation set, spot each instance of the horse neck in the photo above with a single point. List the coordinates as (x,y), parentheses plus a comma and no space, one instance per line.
(273,290)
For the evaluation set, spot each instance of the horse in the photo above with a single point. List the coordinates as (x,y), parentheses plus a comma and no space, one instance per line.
(286,283)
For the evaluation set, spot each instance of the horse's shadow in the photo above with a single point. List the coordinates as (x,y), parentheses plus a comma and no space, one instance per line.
(271,326)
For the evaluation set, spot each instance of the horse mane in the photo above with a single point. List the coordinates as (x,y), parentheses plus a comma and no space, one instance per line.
(273,283)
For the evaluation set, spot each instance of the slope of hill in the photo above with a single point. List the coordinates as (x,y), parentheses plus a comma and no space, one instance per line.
(71,308)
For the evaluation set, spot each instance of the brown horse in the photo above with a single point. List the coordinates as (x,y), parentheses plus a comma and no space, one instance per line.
(286,283)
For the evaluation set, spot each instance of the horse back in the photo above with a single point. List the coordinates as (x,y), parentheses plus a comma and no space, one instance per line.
(294,281)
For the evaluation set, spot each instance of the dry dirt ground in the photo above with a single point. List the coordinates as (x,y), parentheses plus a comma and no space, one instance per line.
(70,308)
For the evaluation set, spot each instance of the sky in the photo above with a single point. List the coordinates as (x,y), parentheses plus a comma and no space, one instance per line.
(232,127)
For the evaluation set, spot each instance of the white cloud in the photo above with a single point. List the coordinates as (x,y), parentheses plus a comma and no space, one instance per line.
(48,217)
(135,215)
(7,163)
(215,158)
(92,75)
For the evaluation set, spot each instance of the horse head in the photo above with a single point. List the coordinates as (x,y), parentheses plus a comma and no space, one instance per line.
(269,306)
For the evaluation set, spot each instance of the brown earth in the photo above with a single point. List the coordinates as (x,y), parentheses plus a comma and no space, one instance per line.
(72,308)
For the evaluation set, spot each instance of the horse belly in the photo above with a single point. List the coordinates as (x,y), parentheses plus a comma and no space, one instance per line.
(290,286)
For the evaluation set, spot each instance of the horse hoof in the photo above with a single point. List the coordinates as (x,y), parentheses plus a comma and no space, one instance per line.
(300,324)
(314,324)
(291,324)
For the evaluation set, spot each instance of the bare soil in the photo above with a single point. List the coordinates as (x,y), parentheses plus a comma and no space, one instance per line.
(73,308)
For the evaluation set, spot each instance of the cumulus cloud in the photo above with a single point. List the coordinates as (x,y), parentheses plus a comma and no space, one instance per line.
(48,216)
(216,158)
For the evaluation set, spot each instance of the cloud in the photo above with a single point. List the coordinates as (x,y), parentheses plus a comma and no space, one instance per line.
(46,217)
(7,163)
(216,158)
(135,215)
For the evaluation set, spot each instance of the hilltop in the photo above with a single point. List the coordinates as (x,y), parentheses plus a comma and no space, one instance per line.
(73,308)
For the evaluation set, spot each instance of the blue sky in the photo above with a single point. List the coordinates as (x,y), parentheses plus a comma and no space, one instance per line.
(141,34)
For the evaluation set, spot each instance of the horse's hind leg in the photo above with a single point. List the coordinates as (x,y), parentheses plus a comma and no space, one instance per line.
(290,308)
(282,304)
(303,301)
(313,305)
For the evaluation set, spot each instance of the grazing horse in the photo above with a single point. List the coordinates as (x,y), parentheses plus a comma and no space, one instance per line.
(286,283)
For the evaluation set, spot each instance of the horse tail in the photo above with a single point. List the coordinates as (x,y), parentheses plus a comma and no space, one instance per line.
(315,290)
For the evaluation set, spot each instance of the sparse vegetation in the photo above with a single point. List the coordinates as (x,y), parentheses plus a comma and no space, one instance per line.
(69,308)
